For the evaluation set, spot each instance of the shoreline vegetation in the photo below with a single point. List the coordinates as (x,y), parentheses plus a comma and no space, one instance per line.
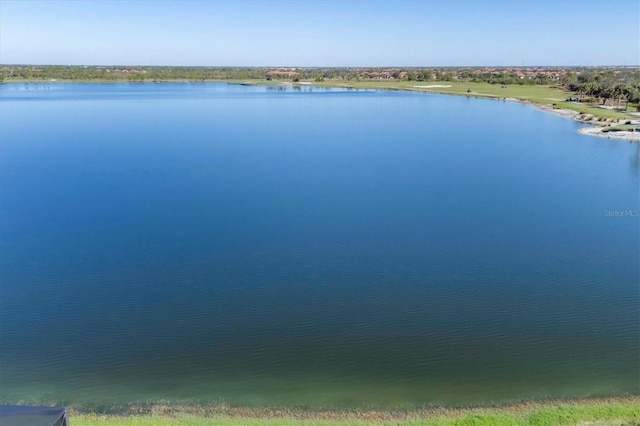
(597,411)
(607,122)
(607,99)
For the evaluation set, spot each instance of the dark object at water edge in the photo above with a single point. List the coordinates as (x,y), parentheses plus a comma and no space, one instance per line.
(23,415)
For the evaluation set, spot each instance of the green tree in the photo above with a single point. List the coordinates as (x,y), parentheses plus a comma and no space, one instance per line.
(570,81)
(606,93)
(619,91)
(632,95)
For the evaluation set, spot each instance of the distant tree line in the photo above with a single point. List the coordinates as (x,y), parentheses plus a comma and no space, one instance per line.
(606,85)
(127,73)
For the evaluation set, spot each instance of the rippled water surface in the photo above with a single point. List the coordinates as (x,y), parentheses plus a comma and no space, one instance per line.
(335,248)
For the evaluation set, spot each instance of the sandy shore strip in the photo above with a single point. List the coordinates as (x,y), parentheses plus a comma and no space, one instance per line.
(597,131)
(563,112)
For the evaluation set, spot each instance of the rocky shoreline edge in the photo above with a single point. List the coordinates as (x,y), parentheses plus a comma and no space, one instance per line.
(598,130)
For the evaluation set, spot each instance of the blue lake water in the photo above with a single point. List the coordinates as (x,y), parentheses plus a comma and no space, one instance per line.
(310,247)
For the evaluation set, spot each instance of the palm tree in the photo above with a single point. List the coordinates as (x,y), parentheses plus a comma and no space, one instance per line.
(619,91)
(591,89)
(581,89)
(633,96)
(606,93)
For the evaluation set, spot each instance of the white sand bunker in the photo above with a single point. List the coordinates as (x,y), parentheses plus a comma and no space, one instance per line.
(432,86)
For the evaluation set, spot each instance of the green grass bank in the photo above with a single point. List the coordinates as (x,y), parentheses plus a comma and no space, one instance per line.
(613,411)
(536,94)
(547,96)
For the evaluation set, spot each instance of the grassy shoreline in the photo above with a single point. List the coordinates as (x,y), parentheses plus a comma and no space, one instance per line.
(534,94)
(597,411)
(547,98)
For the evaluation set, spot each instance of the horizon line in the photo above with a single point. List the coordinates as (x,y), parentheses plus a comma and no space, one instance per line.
(322,66)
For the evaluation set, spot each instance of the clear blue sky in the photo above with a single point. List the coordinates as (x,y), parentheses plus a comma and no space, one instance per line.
(320,33)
